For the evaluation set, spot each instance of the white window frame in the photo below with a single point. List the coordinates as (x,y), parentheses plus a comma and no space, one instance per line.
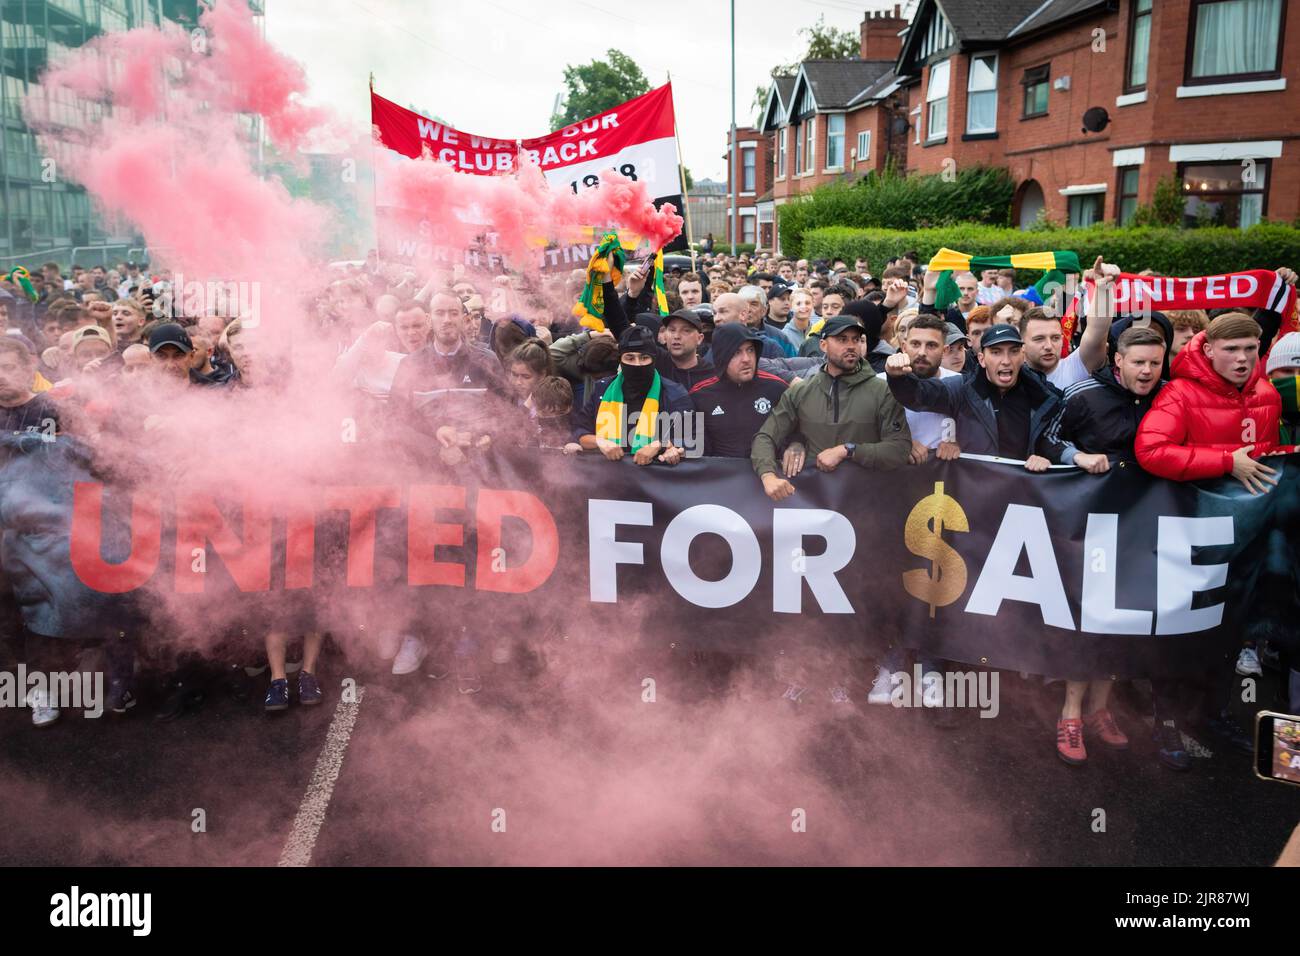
(752,149)
(748,216)
(916,125)
(1078,192)
(970,77)
(810,146)
(843,141)
(781,152)
(864,146)
(931,100)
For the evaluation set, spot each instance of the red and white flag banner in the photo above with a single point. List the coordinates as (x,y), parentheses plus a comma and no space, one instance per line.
(636,139)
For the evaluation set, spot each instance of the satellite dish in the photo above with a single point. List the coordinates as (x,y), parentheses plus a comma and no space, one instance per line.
(899,126)
(1095,120)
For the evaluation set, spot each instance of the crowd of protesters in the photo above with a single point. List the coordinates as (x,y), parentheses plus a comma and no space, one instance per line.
(791,364)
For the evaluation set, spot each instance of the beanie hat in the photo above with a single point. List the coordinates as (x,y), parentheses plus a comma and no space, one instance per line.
(1285,352)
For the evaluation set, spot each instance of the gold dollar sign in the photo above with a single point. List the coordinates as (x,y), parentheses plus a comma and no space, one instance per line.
(946,579)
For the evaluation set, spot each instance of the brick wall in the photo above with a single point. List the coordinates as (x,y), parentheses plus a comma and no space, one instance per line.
(1054,151)
(746,199)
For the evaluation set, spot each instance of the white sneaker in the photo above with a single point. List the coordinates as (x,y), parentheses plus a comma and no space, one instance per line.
(411,655)
(882,688)
(42,713)
(932,689)
(1248,662)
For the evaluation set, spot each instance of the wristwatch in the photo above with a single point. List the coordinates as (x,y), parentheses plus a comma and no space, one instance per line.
(850,447)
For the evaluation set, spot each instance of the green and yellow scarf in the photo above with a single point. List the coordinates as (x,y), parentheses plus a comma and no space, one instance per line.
(20,277)
(661,297)
(946,261)
(611,417)
(590,307)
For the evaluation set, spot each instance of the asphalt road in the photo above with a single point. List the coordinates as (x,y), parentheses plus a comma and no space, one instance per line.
(588,770)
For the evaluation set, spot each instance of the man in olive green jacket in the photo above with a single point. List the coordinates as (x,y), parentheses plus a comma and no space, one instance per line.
(844,411)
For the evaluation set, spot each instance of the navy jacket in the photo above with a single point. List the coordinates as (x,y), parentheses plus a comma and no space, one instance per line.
(977,425)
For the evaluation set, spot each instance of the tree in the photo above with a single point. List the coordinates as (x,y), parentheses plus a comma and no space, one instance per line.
(830,43)
(1166,207)
(690,180)
(598,86)
(824,43)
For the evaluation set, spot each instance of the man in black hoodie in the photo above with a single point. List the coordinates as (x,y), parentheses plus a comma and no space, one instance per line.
(1102,412)
(736,401)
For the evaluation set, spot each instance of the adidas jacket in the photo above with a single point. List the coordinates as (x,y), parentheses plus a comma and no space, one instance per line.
(732,414)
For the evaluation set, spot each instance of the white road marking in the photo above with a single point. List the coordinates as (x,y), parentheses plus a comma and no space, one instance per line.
(311,813)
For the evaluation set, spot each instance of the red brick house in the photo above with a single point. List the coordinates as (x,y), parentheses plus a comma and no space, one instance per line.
(834,119)
(1197,88)
(748,177)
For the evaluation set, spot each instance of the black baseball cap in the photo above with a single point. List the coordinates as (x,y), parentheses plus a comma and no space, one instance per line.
(779,287)
(686,315)
(1000,334)
(636,338)
(839,323)
(169,333)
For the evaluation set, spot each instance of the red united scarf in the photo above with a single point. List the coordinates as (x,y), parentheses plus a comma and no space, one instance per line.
(1256,289)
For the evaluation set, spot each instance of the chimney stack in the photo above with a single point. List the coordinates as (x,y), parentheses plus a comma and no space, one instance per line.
(879,37)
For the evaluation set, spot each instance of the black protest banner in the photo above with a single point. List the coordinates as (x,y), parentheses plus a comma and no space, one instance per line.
(1063,573)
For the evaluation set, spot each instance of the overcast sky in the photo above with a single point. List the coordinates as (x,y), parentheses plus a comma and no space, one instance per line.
(494,67)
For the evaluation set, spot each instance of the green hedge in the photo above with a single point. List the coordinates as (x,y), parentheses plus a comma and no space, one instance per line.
(980,194)
(1177,252)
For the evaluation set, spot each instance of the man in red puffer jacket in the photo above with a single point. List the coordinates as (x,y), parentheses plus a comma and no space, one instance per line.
(1218,410)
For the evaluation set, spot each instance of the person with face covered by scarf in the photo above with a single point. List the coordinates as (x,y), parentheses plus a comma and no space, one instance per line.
(623,412)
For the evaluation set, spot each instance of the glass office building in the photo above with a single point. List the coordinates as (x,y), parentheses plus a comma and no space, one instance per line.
(42,220)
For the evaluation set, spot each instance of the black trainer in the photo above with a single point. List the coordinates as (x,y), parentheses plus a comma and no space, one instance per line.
(181,698)
(120,698)
(1169,739)
(1224,728)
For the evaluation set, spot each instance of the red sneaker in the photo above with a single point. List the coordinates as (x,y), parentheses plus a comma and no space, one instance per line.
(1069,741)
(1102,724)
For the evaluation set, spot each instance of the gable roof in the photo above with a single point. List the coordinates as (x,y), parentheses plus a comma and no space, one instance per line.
(1053,12)
(991,23)
(778,103)
(835,83)
(885,84)
(985,20)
